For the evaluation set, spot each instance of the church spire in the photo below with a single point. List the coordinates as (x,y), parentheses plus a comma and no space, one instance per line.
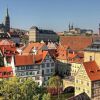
(7,12)
(69,26)
(7,21)
(99,28)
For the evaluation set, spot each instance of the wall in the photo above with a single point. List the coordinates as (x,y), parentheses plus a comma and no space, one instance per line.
(95,56)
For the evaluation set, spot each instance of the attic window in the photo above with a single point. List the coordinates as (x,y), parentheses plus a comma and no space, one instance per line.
(98,70)
(92,71)
(90,58)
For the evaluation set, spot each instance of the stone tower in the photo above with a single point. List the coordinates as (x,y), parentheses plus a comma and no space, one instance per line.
(7,22)
(33,34)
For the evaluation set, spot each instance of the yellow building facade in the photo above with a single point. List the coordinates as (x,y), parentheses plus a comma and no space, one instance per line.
(74,68)
(82,82)
(92,55)
(88,80)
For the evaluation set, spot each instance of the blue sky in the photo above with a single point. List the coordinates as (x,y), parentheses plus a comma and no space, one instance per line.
(52,14)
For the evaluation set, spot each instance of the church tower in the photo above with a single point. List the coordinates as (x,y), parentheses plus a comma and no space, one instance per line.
(7,22)
(99,29)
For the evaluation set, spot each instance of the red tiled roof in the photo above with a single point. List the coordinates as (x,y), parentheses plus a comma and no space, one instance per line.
(93,70)
(62,52)
(24,60)
(30,59)
(76,42)
(77,58)
(44,54)
(53,53)
(72,56)
(8,50)
(6,70)
(30,46)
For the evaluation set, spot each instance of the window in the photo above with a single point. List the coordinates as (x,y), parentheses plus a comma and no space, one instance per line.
(52,64)
(30,73)
(22,68)
(90,58)
(4,73)
(87,84)
(47,56)
(35,67)
(52,70)
(48,65)
(38,72)
(47,70)
(22,74)
(33,73)
(26,73)
(18,68)
(30,67)
(27,67)
(50,60)
(43,65)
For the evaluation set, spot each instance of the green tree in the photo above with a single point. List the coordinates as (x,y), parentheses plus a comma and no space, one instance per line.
(10,89)
(36,97)
(46,96)
(55,82)
(14,89)
(24,39)
(1,61)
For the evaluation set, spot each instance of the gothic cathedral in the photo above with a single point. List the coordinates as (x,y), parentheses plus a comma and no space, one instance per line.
(5,27)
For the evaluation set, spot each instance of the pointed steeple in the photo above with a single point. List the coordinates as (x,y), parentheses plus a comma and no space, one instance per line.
(99,28)
(7,21)
(99,25)
(72,26)
(7,12)
(69,26)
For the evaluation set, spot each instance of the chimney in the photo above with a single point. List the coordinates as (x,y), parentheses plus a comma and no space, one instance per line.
(34,50)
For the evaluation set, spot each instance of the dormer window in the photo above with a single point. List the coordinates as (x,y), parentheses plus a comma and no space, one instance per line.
(98,70)
(92,71)
(91,58)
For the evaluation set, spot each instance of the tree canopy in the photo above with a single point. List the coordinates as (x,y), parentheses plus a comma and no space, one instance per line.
(15,89)
(55,81)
